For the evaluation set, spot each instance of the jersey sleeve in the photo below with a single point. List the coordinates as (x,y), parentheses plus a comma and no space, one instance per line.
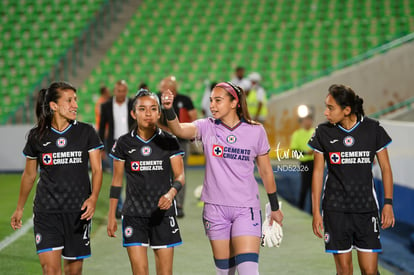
(29,150)
(94,142)
(382,138)
(314,141)
(118,150)
(201,125)
(175,149)
(263,143)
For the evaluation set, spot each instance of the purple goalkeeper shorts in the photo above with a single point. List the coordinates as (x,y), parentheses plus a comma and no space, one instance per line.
(225,222)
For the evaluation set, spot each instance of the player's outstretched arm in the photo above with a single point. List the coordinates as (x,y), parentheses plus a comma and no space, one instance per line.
(96,167)
(26,185)
(181,130)
(115,192)
(387,215)
(317,180)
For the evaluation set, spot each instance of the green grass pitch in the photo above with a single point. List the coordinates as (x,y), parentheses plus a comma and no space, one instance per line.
(300,252)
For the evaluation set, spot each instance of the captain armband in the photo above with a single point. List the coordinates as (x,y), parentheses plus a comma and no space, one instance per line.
(115,192)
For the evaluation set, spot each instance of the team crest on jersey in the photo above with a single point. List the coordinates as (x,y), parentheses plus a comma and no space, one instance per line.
(128,231)
(327,237)
(47,159)
(335,157)
(218,151)
(349,141)
(146,151)
(61,142)
(135,165)
(38,238)
(231,139)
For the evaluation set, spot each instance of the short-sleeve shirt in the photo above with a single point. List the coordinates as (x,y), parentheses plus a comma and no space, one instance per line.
(148,170)
(230,154)
(349,155)
(63,157)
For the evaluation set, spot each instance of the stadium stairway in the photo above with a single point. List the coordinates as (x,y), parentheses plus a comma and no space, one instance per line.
(126,10)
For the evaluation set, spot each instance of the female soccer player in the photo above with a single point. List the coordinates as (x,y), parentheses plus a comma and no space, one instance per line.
(232,143)
(64,203)
(150,157)
(348,143)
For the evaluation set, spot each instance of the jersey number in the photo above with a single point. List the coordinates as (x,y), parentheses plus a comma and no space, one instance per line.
(375,223)
(86,231)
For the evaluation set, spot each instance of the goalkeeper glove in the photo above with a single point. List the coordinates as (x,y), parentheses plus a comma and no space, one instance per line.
(271,234)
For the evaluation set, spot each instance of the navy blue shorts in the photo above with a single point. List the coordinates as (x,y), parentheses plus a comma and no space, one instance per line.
(63,231)
(344,231)
(158,232)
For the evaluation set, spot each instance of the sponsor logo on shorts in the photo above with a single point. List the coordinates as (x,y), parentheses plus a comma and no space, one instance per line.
(349,141)
(327,237)
(128,231)
(231,139)
(175,231)
(256,224)
(61,142)
(38,238)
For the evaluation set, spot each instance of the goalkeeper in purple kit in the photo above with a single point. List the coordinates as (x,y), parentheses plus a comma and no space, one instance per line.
(232,144)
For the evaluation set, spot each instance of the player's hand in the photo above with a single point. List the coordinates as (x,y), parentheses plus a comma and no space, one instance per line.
(112,226)
(89,207)
(272,232)
(164,203)
(16,219)
(387,217)
(167,99)
(317,224)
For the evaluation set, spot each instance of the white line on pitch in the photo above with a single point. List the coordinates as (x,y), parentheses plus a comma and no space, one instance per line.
(17,234)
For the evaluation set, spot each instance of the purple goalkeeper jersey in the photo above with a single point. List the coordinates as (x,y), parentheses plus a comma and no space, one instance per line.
(230,153)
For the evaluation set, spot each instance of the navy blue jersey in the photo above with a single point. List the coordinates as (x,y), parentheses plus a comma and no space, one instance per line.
(349,155)
(63,157)
(148,170)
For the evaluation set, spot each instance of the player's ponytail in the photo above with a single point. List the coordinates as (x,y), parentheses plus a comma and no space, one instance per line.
(43,111)
(359,109)
(344,96)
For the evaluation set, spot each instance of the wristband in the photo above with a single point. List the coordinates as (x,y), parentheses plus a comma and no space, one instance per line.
(274,203)
(170,114)
(387,201)
(177,185)
(115,192)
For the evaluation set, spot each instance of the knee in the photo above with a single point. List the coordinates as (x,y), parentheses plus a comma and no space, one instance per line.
(369,271)
(345,268)
(51,269)
(69,270)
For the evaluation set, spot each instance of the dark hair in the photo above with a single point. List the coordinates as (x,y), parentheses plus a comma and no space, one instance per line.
(241,110)
(344,96)
(44,113)
(145,92)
